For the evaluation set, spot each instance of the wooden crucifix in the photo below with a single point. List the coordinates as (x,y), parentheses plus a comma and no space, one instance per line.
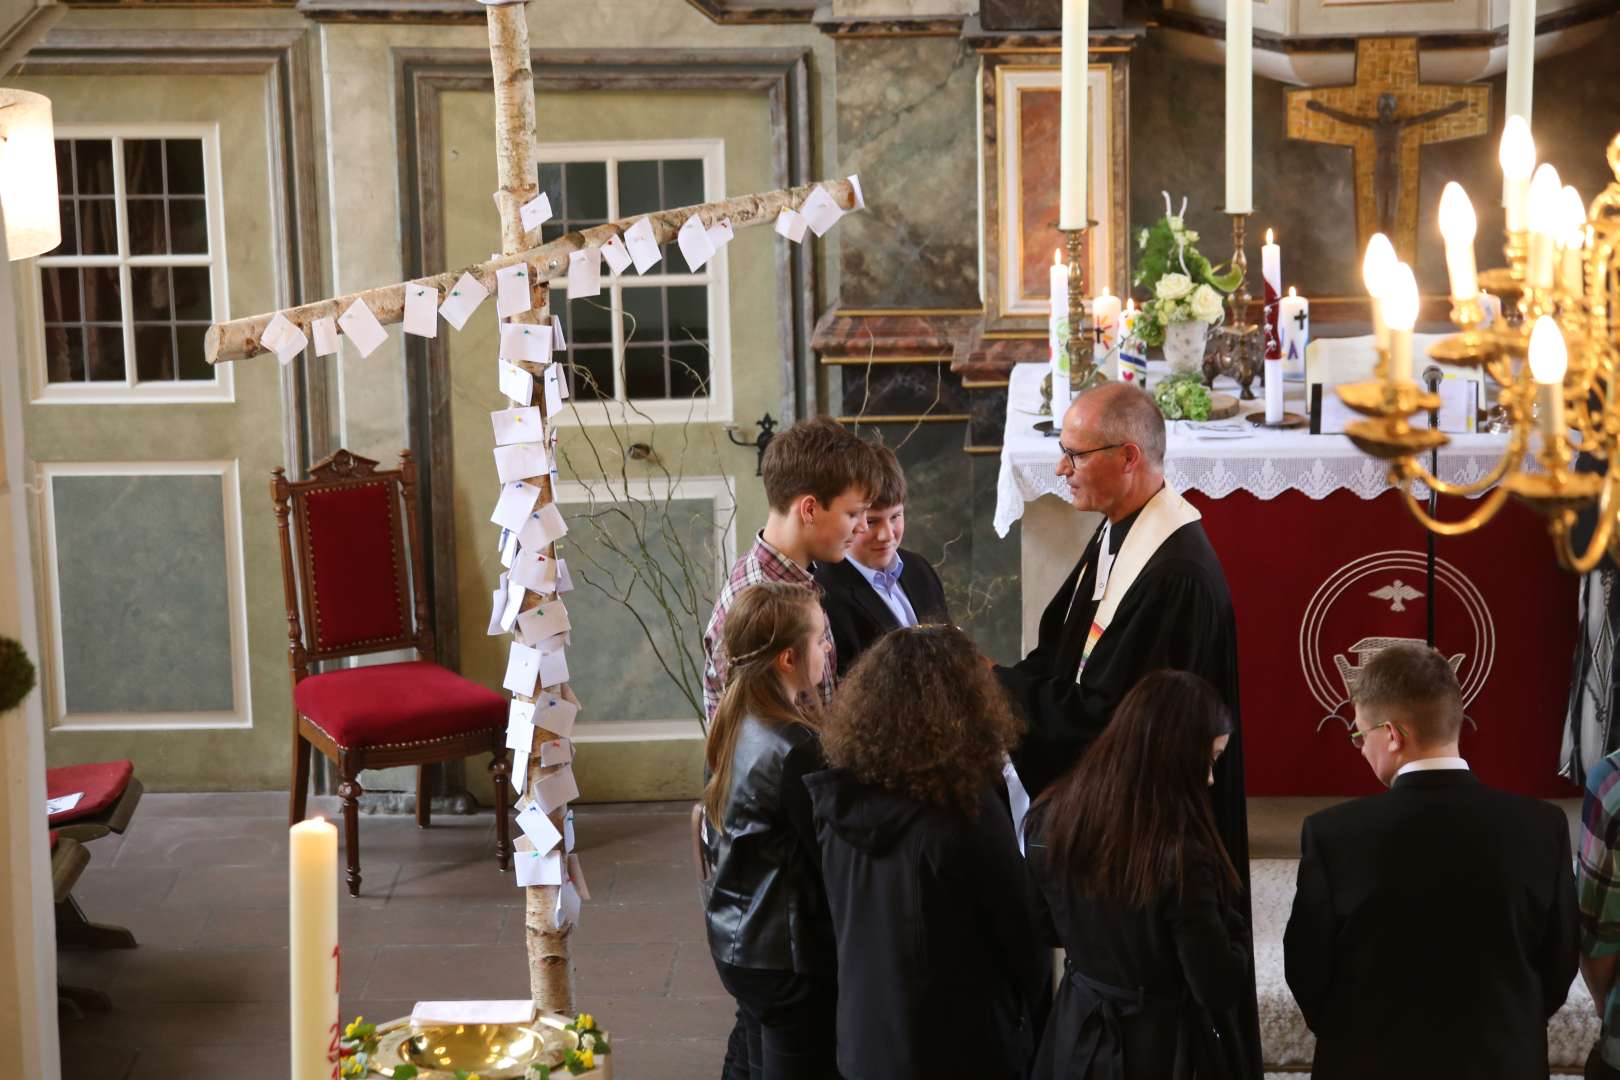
(550,967)
(1386,116)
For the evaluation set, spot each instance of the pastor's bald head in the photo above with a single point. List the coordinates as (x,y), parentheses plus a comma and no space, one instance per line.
(1122,413)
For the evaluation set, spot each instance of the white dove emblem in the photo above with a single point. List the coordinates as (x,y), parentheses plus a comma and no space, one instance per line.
(1397,593)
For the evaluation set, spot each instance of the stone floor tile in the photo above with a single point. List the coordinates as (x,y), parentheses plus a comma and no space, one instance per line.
(650,882)
(607,923)
(447,972)
(694,975)
(422,921)
(105,892)
(91,1058)
(231,888)
(466,883)
(668,1059)
(202,975)
(611,970)
(203,842)
(244,1061)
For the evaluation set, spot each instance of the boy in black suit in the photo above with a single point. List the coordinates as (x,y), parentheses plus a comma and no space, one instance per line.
(1434,927)
(879,586)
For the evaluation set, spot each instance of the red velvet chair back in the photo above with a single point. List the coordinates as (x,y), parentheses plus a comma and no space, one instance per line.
(355,563)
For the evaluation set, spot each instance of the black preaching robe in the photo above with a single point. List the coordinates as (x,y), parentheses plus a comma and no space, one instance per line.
(1177,614)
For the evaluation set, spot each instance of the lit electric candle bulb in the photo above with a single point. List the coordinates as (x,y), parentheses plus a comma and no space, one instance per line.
(1545,221)
(1400,302)
(1517,155)
(1457,225)
(1376,267)
(1549,358)
(1572,241)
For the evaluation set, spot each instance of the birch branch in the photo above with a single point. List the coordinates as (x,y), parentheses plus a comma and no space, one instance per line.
(239,338)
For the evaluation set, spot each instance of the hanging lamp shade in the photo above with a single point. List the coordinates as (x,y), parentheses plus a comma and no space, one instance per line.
(28,174)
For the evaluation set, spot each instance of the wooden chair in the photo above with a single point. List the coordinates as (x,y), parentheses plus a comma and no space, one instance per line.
(353,575)
(108,794)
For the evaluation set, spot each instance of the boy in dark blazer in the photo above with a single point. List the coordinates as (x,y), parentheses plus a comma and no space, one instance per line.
(1434,927)
(879,586)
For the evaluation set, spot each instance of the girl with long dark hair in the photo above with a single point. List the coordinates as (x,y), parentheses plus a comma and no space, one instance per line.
(1141,895)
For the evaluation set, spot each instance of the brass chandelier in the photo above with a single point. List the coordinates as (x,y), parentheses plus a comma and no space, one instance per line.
(1555,353)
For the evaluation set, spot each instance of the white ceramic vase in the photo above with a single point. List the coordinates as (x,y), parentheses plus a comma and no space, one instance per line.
(1184,345)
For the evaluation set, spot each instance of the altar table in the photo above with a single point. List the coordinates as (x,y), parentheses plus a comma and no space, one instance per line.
(1326,565)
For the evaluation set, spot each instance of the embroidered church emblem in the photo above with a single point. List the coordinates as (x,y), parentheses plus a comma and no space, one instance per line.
(1397,593)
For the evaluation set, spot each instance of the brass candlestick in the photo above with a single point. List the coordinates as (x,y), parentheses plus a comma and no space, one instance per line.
(1240,259)
(1083,373)
(1238,348)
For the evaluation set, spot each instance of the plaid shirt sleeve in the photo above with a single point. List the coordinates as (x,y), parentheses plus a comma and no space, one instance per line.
(1598,862)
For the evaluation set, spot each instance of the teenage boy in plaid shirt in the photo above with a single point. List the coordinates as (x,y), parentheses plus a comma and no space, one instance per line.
(1598,891)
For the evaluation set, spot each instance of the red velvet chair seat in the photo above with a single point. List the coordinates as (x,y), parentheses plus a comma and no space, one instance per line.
(397,705)
(102,783)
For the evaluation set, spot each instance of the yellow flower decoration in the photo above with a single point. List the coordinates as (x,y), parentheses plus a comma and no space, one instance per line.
(587,1058)
(354,1026)
(585,1022)
(353,1067)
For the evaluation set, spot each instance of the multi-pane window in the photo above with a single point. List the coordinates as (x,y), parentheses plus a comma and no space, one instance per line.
(128,296)
(648,338)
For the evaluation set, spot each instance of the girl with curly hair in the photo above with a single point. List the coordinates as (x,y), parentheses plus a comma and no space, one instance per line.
(1143,897)
(768,928)
(929,897)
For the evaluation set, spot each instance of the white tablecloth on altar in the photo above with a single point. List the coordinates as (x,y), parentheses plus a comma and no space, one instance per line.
(1266,463)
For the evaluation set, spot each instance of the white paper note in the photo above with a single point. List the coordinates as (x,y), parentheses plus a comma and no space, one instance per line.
(820,211)
(509,547)
(519,736)
(643,245)
(538,868)
(721,234)
(617,255)
(62,803)
(516,384)
(524,709)
(556,714)
(553,791)
(522,668)
(556,752)
(512,291)
(568,831)
(543,622)
(539,829)
(516,502)
(544,525)
(465,296)
(791,224)
(576,874)
(516,425)
(497,604)
(566,910)
(283,338)
(694,243)
(860,196)
(565,581)
(520,341)
(558,342)
(513,605)
(553,667)
(472,1012)
(584,273)
(326,335)
(535,571)
(536,212)
(421,310)
(519,461)
(361,327)
(520,772)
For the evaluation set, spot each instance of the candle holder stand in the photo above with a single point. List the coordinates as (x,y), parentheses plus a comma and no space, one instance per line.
(1083,373)
(1237,348)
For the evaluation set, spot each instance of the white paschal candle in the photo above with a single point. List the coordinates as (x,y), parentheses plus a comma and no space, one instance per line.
(1400,304)
(1457,226)
(1294,324)
(1549,359)
(1545,226)
(1072,119)
(313,948)
(1058,354)
(1271,281)
(1239,106)
(1521,59)
(1377,266)
(1517,156)
(1105,318)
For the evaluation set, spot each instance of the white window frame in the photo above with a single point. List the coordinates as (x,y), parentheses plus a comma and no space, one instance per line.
(130,391)
(716,407)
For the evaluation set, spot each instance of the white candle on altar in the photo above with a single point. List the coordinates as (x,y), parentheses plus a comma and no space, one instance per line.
(1544,220)
(1294,326)
(1072,115)
(1239,106)
(1400,304)
(1274,391)
(1105,318)
(313,948)
(1056,343)
(1521,59)
(1549,359)
(1271,279)
(1376,267)
(1517,156)
(1132,361)
(1457,226)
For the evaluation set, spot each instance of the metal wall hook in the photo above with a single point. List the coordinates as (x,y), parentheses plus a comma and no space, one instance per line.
(767,432)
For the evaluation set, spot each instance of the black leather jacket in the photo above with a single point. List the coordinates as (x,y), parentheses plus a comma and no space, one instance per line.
(764,902)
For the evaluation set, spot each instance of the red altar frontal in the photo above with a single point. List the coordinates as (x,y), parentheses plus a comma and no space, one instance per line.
(1317,584)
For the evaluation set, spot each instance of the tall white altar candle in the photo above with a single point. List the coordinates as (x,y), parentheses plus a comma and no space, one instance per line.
(1294,326)
(313,948)
(1271,279)
(1517,156)
(1239,106)
(1521,63)
(1105,318)
(1056,343)
(1457,226)
(1072,116)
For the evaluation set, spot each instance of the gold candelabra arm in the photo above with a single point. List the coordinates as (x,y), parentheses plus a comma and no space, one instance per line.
(1487,509)
(1602,535)
(1510,460)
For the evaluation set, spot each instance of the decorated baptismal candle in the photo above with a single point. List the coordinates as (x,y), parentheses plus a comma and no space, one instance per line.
(1132,356)
(1105,318)
(1057,346)
(1271,276)
(1294,332)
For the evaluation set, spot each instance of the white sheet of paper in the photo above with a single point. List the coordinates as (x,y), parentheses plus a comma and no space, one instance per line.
(516,501)
(520,341)
(1458,406)
(519,736)
(694,243)
(497,604)
(513,606)
(326,335)
(523,709)
(516,384)
(509,547)
(465,296)
(522,424)
(568,831)
(62,803)
(556,714)
(576,874)
(361,327)
(535,571)
(519,461)
(522,668)
(643,245)
(791,224)
(536,212)
(584,273)
(283,338)
(566,911)
(553,791)
(617,255)
(520,772)
(556,752)
(538,868)
(721,234)
(546,621)
(421,310)
(1335,413)
(820,211)
(554,394)
(544,525)
(539,829)
(473,1012)
(512,291)
(553,667)
(558,342)
(565,580)
(860,195)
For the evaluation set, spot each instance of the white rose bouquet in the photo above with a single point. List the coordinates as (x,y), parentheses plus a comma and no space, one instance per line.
(1185,286)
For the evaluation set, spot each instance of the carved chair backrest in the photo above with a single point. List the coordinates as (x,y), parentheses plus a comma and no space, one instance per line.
(349,586)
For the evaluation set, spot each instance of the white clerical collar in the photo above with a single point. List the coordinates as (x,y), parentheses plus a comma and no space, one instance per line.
(1432,764)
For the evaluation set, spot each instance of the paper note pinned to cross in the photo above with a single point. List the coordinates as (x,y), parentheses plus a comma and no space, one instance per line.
(512,290)
(516,384)
(721,234)
(576,874)
(514,604)
(556,752)
(693,239)
(565,912)
(554,390)
(544,525)
(538,868)
(553,667)
(361,327)
(558,342)
(509,547)
(568,831)
(556,714)
(421,310)
(465,296)
(520,771)
(522,668)
(791,224)
(539,829)
(557,789)
(326,335)
(536,212)
(643,245)
(565,581)
(283,338)
(617,255)
(518,461)
(516,425)
(497,604)
(516,501)
(535,571)
(820,211)
(584,273)
(519,736)
(521,341)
